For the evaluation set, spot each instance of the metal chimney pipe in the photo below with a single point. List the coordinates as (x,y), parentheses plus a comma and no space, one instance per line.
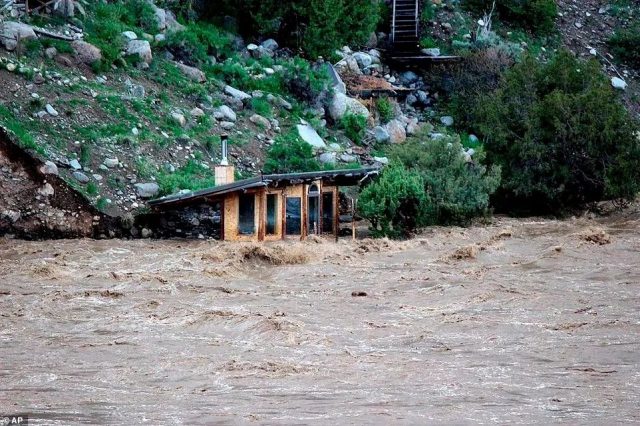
(224,139)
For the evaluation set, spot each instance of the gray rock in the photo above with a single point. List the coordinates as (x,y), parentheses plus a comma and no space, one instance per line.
(237,94)
(146,233)
(618,83)
(197,113)
(381,160)
(341,104)
(363,59)
(310,136)
(422,96)
(141,49)
(260,121)
(46,190)
(49,168)
(111,162)
(193,73)
(227,125)
(50,52)
(147,190)
(473,139)
(11,33)
(227,113)
(348,158)
(408,77)
(397,132)
(51,110)
(434,51)
(412,99)
(75,164)
(159,38)
(129,35)
(348,65)
(12,215)
(447,120)
(270,44)
(80,177)
(179,118)
(327,158)
(413,126)
(134,90)
(85,53)
(381,134)
(335,147)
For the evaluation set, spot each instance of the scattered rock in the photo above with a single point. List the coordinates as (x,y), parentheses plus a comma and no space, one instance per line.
(348,158)
(141,49)
(434,51)
(363,59)
(408,77)
(134,90)
(85,53)
(129,35)
(147,190)
(179,118)
(49,168)
(327,158)
(46,190)
(596,236)
(227,113)
(11,67)
(348,65)
(75,164)
(341,104)
(236,94)
(197,113)
(397,132)
(227,125)
(447,120)
(381,134)
(80,177)
(146,233)
(193,73)
(270,44)
(310,136)
(382,160)
(260,121)
(50,52)
(51,110)
(11,33)
(111,162)
(618,83)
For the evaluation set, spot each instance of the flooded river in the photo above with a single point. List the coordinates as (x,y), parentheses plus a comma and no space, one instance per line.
(521,321)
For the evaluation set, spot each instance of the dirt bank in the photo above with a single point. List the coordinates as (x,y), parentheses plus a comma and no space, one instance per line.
(531,321)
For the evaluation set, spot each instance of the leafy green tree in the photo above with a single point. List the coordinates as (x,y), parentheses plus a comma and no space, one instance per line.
(537,15)
(561,135)
(395,203)
(290,154)
(458,188)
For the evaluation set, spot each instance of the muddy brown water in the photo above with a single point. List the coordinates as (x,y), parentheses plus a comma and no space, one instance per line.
(523,321)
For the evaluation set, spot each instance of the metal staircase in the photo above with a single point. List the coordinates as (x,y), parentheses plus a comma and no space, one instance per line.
(405,26)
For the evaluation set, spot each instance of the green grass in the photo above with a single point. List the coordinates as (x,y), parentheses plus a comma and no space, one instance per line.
(261,106)
(191,176)
(15,126)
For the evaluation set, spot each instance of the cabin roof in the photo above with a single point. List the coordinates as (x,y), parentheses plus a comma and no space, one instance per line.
(345,177)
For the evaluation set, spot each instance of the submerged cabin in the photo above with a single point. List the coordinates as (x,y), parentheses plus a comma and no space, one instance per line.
(267,207)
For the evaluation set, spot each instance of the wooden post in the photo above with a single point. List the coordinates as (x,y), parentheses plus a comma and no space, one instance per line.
(336,213)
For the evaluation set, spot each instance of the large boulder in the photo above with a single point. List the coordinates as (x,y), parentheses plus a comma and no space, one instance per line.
(363,59)
(270,44)
(226,113)
(147,190)
(348,65)
(310,136)
(381,134)
(397,132)
(341,104)
(85,53)
(12,33)
(237,94)
(193,73)
(141,49)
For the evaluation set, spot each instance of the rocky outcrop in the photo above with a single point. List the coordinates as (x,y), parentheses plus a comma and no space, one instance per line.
(342,104)
(13,33)
(37,203)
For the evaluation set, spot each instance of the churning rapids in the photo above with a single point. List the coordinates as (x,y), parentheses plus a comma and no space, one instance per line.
(521,321)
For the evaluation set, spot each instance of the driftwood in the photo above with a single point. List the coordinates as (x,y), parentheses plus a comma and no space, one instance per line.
(47,33)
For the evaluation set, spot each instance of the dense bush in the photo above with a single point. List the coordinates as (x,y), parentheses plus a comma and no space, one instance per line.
(385,109)
(394,203)
(430,183)
(561,135)
(290,154)
(317,26)
(537,15)
(191,176)
(625,44)
(197,42)
(354,126)
(458,190)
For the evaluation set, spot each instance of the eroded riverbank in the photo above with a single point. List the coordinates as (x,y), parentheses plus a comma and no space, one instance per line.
(523,321)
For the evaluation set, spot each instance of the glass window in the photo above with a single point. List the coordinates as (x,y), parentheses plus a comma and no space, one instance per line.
(327,213)
(272,212)
(294,221)
(246,217)
(313,216)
